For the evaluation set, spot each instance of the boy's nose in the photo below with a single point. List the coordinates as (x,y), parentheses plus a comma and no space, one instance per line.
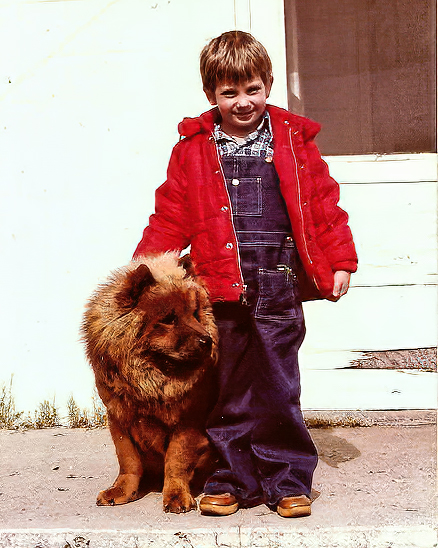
(242,101)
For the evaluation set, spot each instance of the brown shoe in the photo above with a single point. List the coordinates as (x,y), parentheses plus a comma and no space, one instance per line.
(294,507)
(218,505)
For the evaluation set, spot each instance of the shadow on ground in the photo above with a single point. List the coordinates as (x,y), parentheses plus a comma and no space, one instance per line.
(332,449)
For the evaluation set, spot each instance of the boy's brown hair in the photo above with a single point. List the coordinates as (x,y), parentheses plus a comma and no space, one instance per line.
(234,57)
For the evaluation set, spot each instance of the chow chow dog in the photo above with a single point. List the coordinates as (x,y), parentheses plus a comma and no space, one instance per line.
(151,340)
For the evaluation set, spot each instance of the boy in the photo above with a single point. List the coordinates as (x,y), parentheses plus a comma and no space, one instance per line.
(248,190)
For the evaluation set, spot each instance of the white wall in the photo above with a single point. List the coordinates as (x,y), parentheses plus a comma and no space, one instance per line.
(91,93)
(90,96)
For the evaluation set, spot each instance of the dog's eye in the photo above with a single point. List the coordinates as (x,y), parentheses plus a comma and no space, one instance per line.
(170,319)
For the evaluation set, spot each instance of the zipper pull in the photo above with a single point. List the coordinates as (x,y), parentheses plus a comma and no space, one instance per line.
(289,272)
(243,299)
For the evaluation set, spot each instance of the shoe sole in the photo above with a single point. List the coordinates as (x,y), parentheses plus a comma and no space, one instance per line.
(218,510)
(295,512)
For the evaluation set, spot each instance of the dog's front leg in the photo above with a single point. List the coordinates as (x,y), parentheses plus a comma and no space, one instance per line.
(186,448)
(125,487)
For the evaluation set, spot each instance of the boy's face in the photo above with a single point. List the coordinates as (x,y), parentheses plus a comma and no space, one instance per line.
(241,105)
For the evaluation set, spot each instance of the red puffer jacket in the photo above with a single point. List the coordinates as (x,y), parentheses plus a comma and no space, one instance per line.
(193,207)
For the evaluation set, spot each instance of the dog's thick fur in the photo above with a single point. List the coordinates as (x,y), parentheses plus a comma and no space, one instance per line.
(151,340)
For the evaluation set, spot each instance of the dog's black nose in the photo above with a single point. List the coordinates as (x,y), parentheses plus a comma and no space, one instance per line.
(206,341)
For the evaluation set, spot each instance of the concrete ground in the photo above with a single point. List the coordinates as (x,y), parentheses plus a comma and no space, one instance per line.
(377,485)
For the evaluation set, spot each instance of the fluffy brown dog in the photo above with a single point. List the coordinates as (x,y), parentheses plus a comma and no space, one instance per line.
(151,340)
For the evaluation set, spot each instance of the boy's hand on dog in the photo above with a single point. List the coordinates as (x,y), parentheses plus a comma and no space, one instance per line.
(341,284)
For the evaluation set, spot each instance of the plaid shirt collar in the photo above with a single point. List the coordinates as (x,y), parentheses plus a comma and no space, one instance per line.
(257,143)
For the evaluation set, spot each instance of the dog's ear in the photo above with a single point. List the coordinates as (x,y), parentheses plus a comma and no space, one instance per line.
(187,263)
(137,281)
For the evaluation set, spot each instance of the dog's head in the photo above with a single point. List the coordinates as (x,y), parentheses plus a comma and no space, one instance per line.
(174,322)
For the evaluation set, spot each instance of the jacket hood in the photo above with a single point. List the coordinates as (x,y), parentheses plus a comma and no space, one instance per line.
(205,122)
(201,124)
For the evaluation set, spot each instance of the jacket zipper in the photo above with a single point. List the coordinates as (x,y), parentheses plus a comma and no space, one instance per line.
(243,294)
(299,204)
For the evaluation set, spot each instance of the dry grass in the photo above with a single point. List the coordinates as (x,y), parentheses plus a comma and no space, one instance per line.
(329,419)
(82,418)
(9,418)
(47,414)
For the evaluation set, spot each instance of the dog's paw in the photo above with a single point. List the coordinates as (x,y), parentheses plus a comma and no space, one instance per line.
(178,503)
(124,490)
(115,495)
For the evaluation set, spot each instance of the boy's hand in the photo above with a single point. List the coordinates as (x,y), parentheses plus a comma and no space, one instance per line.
(342,282)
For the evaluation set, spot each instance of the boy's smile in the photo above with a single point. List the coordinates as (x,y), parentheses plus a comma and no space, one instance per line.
(240,105)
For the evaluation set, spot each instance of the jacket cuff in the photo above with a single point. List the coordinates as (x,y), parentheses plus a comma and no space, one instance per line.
(347,266)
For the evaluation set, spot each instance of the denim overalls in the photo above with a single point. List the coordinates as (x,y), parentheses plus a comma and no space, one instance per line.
(257,424)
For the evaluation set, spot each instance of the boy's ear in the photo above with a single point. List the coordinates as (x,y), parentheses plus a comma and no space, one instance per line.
(210,96)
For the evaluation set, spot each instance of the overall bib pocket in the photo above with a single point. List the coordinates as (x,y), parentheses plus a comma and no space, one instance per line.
(277,298)
(246,195)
